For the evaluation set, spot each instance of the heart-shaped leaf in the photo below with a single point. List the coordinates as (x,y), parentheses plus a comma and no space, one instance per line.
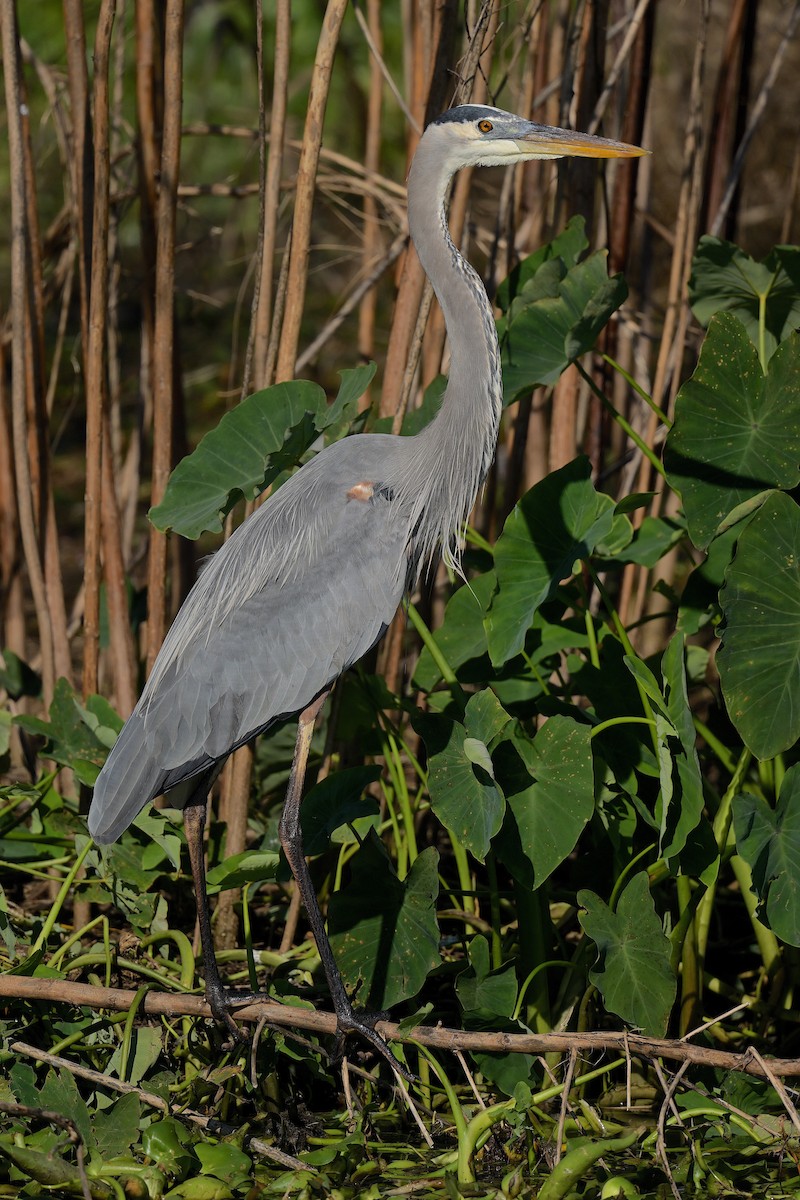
(383,930)
(759,659)
(632,971)
(736,431)
(725,279)
(557,523)
(769,841)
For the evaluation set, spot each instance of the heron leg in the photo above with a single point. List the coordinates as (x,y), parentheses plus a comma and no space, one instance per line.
(220,998)
(291,839)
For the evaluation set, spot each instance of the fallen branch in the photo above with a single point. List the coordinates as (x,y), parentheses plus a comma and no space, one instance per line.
(167,1004)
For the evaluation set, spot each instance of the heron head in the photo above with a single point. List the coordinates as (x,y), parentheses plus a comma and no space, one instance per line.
(478,135)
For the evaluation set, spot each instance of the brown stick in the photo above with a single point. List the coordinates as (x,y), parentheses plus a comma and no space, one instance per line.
(306,178)
(20,337)
(95,355)
(164,338)
(270,194)
(164,1004)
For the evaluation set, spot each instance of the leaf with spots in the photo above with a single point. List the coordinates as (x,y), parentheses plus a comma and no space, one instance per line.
(737,431)
(759,659)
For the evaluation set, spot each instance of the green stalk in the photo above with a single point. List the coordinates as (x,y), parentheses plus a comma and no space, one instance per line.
(535,928)
(626,426)
(428,641)
(465,1172)
(648,399)
(127,1036)
(767,942)
(58,903)
(494,910)
(723,819)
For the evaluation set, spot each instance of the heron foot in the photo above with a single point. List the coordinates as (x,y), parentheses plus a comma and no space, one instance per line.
(221,1000)
(348,1021)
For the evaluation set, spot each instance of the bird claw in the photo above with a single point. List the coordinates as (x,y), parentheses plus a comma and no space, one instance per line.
(221,1000)
(348,1021)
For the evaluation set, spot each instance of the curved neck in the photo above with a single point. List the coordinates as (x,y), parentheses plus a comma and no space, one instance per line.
(463,435)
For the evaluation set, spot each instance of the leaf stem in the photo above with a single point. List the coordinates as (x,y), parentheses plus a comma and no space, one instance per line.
(626,426)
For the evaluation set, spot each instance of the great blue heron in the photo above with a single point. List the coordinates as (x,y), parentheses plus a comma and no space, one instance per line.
(311,580)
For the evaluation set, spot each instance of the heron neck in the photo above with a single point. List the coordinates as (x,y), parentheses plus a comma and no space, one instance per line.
(458,446)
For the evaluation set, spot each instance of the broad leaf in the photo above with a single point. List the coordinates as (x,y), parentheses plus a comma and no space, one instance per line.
(461,636)
(736,431)
(482,990)
(549,787)
(335,801)
(115,1130)
(769,841)
(567,246)
(264,435)
(557,523)
(632,971)
(725,279)
(555,320)
(384,931)
(75,736)
(464,793)
(759,659)
(251,866)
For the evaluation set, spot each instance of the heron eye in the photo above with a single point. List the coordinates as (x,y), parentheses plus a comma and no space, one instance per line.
(485,126)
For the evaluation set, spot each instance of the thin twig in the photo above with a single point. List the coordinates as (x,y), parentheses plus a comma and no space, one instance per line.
(353,300)
(669,1090)
(756,113)
(387,75)
(779,1088)
(562,1116)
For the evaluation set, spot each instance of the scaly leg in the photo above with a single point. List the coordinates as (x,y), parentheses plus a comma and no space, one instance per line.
(291,839)
(220,998)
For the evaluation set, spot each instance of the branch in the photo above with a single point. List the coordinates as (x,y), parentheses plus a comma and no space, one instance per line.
(618,1042)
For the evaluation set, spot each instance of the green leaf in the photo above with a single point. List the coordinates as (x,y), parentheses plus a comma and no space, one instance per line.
(736,431)
(484,717)
(549,787)
(567,246)
(464,795)
(556,319)
(632,971)
(383,930)
(482,990)
(335,801)
(264,435)
(16,677)
(115,1130)
(146,1046)
(59,1092)
(769,841)
(461,636)
(557,523)
(72,733)
(725,279)
(226,1162)
(251,866)
(654,538)
(355,381)
(759,657)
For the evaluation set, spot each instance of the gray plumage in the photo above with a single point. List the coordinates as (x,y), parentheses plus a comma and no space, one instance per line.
(311,580)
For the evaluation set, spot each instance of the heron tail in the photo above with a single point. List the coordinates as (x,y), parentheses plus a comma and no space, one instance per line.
(128,780)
